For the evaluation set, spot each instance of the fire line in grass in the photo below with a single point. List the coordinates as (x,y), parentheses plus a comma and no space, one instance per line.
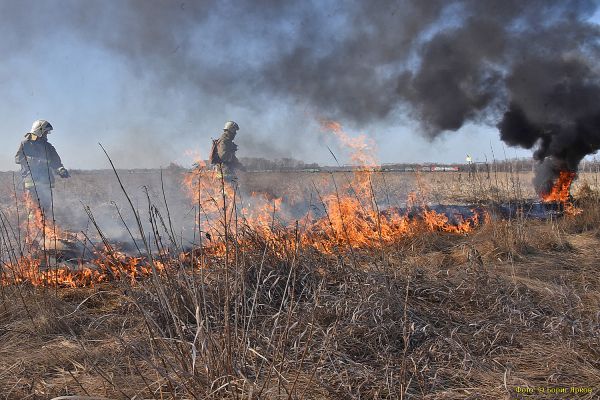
(349,219)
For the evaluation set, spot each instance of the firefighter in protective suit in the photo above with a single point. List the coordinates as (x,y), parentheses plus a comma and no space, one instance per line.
(39,162)
(226,161)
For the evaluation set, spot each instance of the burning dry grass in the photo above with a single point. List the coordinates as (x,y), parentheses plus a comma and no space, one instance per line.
(351,298)
(512,305)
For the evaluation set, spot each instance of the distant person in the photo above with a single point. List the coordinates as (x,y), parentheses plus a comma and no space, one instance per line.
(223,153)
(469,160)
(39,162)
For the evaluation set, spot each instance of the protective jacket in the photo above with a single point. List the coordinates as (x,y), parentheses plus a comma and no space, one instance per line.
(39,160)
(226,150)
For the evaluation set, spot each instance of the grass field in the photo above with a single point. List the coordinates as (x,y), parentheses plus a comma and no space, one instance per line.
(508,310)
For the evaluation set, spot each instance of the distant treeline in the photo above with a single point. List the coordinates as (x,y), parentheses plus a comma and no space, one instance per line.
(292,164)
(513,165)
(279,164)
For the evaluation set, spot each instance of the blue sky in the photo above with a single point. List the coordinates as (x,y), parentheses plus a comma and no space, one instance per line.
(146,118)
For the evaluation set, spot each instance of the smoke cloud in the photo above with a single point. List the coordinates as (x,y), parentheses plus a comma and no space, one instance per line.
(527,67)
(530,62)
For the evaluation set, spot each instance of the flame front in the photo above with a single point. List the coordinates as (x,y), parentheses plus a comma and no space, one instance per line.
(349,219)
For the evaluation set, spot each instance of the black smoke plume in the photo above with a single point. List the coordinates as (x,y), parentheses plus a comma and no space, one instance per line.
(533,63)
(554,107)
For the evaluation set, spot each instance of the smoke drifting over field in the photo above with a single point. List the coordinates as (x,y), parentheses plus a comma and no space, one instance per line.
(531,61)
(526,66)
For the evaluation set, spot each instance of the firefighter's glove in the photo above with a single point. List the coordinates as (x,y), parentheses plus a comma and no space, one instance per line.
(63,173)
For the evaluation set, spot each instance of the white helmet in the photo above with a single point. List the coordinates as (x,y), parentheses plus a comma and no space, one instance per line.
(231,126)
(40,127)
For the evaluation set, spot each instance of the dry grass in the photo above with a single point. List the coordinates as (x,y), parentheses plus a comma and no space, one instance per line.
(437,316)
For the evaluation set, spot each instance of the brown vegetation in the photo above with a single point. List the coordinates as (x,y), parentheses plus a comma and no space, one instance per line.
(437,315)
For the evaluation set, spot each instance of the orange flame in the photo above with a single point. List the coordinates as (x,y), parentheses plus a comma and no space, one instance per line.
(561,189)
(38,226)
(352,221)
(361,147)
(106,267)
(560,192)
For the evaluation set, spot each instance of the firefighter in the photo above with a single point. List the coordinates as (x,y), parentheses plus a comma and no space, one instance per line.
(223,153)
(39,162)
